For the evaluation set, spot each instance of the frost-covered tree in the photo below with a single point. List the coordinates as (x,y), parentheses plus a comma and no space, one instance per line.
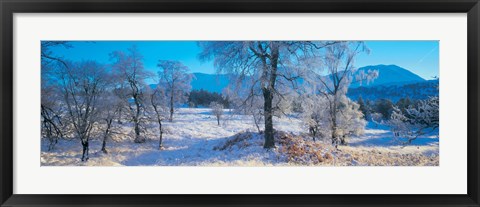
(158,101)
(418,120)
(174,77)
(264,65)
(317,116)
(131,74)
(351,120)
(82,85)
(399,123)
(426,112)
(109,108)
(217,110)
(338,63)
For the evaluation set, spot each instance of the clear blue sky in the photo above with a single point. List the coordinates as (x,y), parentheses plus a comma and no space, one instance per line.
(420,57)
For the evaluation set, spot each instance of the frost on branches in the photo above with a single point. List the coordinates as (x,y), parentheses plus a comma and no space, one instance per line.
(418,120)
(345,121)
(174,77)
(335,115)
(217,110)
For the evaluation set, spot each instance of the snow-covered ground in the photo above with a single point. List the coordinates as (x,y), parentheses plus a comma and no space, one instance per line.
(193,138)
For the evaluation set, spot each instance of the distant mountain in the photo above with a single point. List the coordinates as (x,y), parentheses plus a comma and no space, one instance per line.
(392,82)
(388,75)
(210,82)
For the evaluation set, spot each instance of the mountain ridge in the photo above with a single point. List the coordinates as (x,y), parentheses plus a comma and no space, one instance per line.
(388,75)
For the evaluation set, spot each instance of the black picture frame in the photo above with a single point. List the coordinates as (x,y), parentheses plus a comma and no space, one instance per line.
(10,7)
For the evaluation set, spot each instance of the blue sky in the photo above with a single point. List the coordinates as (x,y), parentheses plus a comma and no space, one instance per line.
(420,57)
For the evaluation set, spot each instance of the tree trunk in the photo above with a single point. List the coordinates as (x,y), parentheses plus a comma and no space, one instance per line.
(171,107)
(119,120)
(138,138)
(105,136)
(313,132)
(85,150)
(334,131)
(333,114)
(268,91)
(343,140)
(136,120)
(161,134)
(267,106)
(48,130)
(218,120)
(104,150)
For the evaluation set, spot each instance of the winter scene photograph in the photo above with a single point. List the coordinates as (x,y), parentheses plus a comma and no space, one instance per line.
(239,103)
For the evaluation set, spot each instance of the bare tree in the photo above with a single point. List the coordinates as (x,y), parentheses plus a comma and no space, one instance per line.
(82,85)
(129,69)
(176,80)
(338,61)
(158,101)
(217,110)
(51,110)
(255,108)
(268,64)
(109,108)
(47,55)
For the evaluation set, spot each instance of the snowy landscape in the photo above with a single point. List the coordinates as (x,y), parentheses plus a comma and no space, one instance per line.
(192,145)
(268,104)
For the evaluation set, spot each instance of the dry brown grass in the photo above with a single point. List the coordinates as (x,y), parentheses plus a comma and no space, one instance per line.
(241,140)
(374,157)
(301,150)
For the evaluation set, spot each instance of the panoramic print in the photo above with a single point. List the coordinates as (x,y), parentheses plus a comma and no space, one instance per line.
(239,103)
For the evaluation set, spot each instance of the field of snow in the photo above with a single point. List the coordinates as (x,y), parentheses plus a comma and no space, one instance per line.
(194,138)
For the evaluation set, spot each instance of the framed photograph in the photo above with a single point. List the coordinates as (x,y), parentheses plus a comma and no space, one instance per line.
(239,103)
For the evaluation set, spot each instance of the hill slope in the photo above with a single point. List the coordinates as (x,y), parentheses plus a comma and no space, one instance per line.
(389,75)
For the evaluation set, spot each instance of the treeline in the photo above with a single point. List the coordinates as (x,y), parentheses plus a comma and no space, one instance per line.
(385,107)
(203,98)
(415,91)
